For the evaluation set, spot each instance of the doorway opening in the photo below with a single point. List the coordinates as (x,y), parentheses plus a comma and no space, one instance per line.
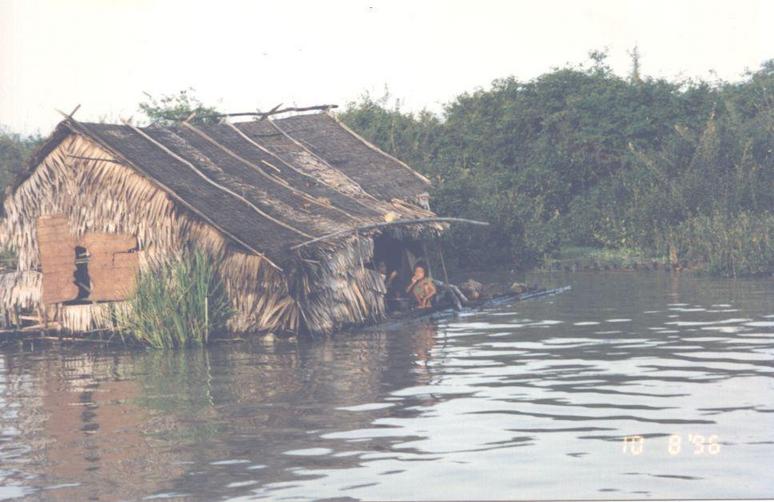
(396,258)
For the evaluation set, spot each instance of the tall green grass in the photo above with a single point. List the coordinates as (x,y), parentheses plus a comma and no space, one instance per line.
(179,305)
(730,245)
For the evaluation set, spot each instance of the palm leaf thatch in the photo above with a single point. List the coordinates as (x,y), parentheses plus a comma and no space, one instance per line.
(249,195)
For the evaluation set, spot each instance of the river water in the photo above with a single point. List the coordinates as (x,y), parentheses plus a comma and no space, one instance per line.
(627,386)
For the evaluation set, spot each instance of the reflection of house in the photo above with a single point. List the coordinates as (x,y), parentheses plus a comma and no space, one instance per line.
(86,430)
(122,426)
(293,211)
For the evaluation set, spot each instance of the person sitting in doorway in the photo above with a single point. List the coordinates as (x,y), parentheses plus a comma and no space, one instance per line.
(388,278)
(421,286)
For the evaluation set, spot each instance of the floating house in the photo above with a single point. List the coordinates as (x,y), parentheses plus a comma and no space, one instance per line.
(294,212)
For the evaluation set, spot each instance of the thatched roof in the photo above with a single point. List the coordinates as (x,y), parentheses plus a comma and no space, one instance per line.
(267,185)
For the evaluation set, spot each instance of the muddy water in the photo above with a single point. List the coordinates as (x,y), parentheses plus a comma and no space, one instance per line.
(628,386)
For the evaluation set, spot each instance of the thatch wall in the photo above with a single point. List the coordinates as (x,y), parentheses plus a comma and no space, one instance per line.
(336,288)
(96,192)
(19,291)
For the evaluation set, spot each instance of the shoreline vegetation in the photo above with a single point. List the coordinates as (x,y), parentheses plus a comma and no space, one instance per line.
(680,171)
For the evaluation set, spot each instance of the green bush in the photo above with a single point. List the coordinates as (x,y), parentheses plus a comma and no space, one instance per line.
(179,305)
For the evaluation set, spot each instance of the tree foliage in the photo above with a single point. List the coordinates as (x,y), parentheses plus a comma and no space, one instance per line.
(171,108)
(15,150)
(581,156)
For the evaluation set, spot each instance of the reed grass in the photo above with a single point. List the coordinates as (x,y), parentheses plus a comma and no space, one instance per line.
(177,305)
(730,245)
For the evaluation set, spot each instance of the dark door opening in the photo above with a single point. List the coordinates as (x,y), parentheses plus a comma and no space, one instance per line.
(399,256)
(81,275)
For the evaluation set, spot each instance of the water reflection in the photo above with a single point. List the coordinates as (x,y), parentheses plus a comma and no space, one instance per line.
(499,404)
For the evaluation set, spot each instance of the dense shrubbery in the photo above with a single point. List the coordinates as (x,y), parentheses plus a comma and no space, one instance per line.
(580,156)
(15,150)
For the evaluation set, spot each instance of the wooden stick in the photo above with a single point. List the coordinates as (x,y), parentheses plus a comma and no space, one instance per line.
(70,115)
(299,171)
(443,262)
(277,110)
(216,185)
(279,181)
(418,221)
(427,259)
(69,339)
(378,150)
(93,158)
(324,162)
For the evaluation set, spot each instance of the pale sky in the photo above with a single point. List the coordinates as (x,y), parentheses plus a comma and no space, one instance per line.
(247,55)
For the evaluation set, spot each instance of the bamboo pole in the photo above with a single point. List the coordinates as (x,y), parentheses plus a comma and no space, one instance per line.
(443,262)
(82,129)
(377,150)
(278,181)
(418,221)
(427,259)
(216,185)
(277,110)
(78,157)
(322,161)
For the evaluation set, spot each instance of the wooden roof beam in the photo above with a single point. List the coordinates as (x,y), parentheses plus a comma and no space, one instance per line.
(418,221)
(276,110)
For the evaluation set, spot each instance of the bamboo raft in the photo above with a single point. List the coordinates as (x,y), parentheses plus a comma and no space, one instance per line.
(448,309)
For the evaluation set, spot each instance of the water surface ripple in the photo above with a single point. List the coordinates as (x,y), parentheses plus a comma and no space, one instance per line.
(628,386)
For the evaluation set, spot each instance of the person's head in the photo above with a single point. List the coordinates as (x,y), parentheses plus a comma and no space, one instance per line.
(382,267)
(420,270)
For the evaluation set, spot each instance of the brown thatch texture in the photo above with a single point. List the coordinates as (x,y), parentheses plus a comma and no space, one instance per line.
(245,194)
(320,288)
(257,184)
(102,196)
(19,291)
(87,317)
(385,177)
(337,289)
